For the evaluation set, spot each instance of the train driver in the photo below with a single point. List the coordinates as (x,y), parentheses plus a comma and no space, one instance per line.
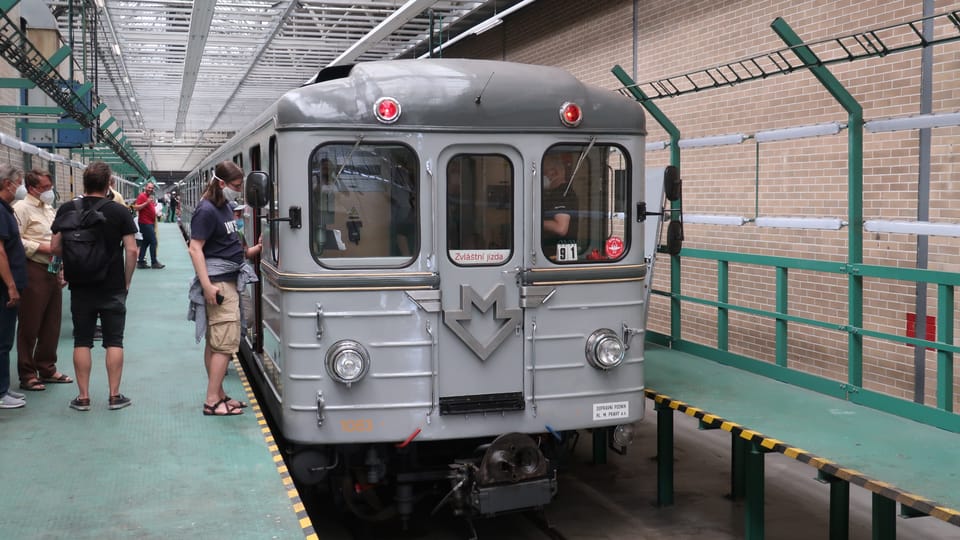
(559,207)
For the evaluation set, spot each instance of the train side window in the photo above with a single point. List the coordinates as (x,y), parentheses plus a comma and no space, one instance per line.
(479,209)
(584,204)
(255,158)
(363,201)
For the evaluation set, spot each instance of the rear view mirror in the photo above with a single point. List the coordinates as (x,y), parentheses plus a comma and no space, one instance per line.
(672,183)
(674,237)
(259,189)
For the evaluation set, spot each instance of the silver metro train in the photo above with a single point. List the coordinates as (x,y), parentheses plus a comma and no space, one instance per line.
(453,277)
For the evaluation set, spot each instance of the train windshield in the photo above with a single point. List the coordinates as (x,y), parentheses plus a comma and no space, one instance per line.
(363,201)
(584,203)
(479,209)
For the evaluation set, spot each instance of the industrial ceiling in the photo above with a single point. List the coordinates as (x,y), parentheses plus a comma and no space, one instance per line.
(181,76)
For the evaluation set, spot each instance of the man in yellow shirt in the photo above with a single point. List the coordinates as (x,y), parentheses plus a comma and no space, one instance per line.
(41,302)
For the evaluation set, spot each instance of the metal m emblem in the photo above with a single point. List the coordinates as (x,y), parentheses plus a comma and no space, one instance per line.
(509,318)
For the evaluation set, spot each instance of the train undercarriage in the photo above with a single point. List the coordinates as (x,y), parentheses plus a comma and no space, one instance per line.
(471,478)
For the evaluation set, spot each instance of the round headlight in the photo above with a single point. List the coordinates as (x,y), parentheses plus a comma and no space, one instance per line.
(347,361)
(604,349)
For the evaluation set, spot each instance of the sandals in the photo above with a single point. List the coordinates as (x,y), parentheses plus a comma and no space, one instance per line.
(33,385)
(58,378)
(215,410)
(239,405)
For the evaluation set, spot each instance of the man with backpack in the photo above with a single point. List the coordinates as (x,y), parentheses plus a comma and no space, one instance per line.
(95,238)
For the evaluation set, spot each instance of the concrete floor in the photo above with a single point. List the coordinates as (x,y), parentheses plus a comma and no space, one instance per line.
(617,501)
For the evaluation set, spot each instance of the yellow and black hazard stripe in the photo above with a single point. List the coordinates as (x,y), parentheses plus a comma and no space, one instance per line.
(305,524)
(853,476)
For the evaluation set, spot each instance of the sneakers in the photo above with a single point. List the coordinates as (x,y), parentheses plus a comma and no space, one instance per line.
(9,402)
(17,395)
(118,401)
(78,404)
(142,264)
(158,265)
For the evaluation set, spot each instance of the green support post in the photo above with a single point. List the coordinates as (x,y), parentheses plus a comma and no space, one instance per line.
(839,509)
(754,529)
(675,206)
(723,314)
(782,294)
(738,470)
(884,518)
(839,505)
(854,194)
(664,455)
(945,311)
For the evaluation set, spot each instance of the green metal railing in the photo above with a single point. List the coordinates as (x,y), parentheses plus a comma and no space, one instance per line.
(941,416)
(797,55)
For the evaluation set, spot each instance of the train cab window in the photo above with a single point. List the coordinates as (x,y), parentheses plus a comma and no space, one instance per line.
(364,202)
(584,204)
(479,209)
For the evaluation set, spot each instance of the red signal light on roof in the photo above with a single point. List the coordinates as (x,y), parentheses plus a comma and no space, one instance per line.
(387,110)
(570,114)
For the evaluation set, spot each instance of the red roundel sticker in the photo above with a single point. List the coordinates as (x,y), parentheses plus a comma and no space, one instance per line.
(614,247)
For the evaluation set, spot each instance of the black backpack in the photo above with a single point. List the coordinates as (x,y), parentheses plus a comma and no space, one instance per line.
(85,255)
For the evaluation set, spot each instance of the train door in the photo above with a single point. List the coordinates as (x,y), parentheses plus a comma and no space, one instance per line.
(479,249)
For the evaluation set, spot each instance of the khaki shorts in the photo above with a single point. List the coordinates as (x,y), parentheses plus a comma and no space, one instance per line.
(223,321)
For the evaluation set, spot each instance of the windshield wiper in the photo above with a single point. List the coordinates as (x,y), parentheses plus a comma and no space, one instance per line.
(579,162)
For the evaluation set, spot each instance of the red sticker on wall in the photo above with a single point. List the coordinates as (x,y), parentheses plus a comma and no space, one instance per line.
(614,247)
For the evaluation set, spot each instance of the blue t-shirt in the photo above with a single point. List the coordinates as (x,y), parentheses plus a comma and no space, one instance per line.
(218,229)
(16,256)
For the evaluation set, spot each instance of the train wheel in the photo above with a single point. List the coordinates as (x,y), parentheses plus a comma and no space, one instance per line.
(369,502)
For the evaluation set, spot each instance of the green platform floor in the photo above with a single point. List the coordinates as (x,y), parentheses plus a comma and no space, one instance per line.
(912,463)
(158,469)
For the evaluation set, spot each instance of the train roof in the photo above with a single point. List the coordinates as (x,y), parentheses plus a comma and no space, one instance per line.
(453,94)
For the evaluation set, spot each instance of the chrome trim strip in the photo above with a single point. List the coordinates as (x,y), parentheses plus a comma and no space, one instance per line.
(583,274)
(392,406)
(341,281)
(606,393)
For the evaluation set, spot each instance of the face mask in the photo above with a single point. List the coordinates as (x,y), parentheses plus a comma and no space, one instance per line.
(48,196)
(231,194)
(239,222)
(21,193)
(546,182)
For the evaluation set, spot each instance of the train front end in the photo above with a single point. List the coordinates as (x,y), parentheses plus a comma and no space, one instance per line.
(425,329)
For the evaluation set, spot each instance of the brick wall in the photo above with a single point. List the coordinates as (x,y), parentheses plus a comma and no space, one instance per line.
(805,177)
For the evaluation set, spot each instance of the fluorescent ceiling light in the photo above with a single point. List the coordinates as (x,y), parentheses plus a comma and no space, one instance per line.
(717,140)
(800,132)
(913,227)
(919,121)
(486,25)
(714,219)
(830,224)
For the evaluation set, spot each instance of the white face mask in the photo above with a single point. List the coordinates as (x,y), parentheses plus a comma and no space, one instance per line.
(546,182)
(231,194)
(48,197)
(21,193)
